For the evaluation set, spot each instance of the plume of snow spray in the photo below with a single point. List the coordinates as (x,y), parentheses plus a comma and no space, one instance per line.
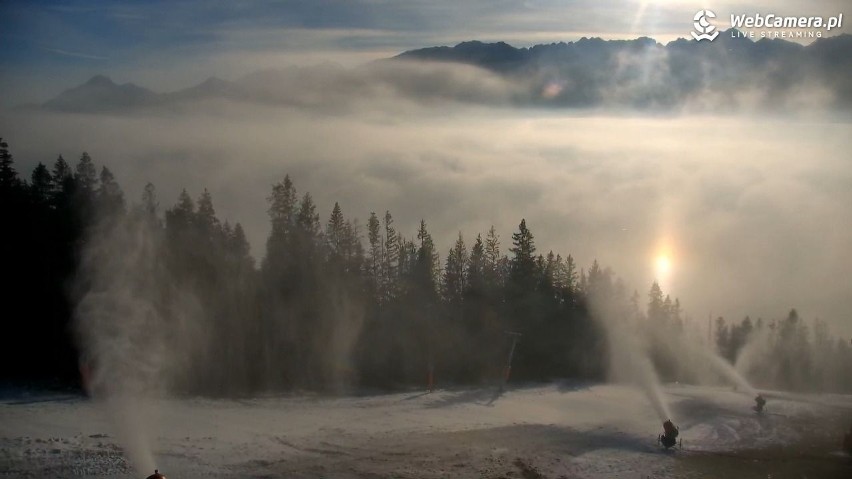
(119,327)
(728,371)
(347,319)
(629,358)
(629,362)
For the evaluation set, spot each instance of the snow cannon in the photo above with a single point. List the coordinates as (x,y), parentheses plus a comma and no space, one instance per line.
(760,402)
(156,475)
(669,436)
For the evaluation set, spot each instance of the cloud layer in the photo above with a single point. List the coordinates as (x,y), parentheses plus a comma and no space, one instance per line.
(752,210)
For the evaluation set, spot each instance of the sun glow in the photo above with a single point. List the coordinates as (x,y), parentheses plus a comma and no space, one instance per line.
(663,266)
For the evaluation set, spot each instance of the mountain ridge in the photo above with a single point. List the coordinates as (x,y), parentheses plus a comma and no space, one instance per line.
(636,73)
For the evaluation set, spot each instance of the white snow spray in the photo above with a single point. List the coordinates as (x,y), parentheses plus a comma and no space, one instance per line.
(629,361)
(727,370)
(119,329)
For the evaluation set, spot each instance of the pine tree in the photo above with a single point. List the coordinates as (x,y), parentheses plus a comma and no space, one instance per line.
(454,273)
(390,260)
(41,184)
(493,259)
(63,183)
(110,198)
(655,303)
(282,213)
(596,283)
(570,282)
(374,263)
(475,275)
(549,273)
(279,244)
(239,247)
(353,247)
(181,216)
(85,175)
(205,217)
(335,233)
(426,270)
(61,170)
(307,218)
(523,265)
(8,176)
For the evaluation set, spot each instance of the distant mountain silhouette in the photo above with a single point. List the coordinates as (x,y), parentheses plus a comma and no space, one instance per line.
(729,73)
(642,72)
(494,56)
(101,94)
(211,88)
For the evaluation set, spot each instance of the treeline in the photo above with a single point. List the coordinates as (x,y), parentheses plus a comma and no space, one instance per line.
(333,306)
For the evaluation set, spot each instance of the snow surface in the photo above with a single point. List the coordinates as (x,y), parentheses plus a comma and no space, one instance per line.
(558,430)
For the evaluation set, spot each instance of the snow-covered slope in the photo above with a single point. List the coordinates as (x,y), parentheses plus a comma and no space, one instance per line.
(559,430)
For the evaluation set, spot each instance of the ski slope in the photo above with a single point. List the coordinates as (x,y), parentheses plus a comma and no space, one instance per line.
(560,430)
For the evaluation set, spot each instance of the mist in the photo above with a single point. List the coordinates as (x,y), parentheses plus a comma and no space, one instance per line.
(750,208)
(294,238)
(123,341)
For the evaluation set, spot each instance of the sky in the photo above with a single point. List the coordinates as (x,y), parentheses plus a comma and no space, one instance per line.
(735,215)
(166,45)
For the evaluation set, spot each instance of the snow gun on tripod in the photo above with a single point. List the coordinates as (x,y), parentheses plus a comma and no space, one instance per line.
(760,403)
(669,436)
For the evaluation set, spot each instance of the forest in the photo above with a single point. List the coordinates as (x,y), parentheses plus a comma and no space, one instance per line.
(334,306)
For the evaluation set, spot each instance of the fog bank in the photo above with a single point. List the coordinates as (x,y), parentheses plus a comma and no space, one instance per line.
(752,211)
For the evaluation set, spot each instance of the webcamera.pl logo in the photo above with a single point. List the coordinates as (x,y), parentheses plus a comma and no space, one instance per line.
(704,30)
(771,25)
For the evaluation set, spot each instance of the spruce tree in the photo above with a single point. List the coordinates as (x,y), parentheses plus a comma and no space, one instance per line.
(110,198)
(8,176)
(475,274)
(41,184)
(523,265)
(454,272)
(85,175)
(335,233)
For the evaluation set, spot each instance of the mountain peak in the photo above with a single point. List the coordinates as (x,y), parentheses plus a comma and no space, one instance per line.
(213,81)
(100,80)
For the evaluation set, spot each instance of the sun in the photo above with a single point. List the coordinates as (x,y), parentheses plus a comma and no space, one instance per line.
(663,269)
(663,265)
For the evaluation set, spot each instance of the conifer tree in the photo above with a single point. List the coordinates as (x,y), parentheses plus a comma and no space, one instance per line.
(8,176)
(390,260)
(41,184)
(475,274)
(110,198)
(85,175)
(523,265)
(454,272)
